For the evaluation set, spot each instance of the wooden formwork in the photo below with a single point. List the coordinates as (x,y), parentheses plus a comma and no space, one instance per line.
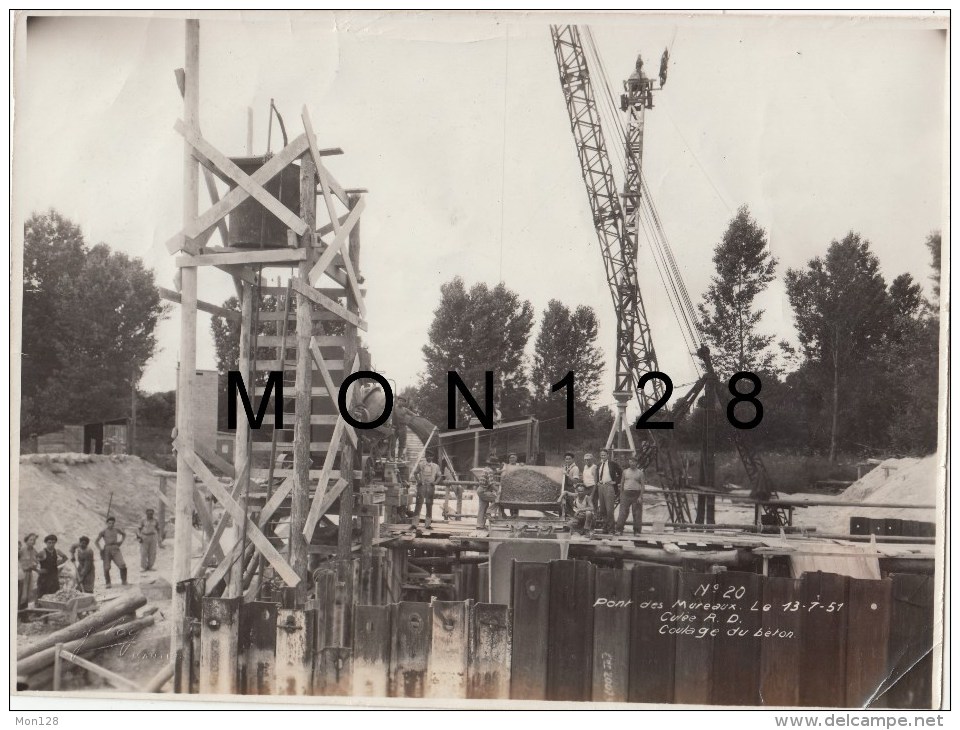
(241,550)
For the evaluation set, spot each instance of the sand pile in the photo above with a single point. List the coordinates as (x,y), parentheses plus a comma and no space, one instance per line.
(68,494)
(530,484)
(900,481)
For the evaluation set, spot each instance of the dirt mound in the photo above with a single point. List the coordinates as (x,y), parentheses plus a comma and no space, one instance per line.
(526,484)
(68,494)
(893,481)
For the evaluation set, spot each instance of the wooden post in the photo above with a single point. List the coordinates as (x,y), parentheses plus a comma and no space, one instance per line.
(57,667)
(249,131)
(183,535)
(300,495)
(241,444)
(345,533)
(476,450)
(162,508)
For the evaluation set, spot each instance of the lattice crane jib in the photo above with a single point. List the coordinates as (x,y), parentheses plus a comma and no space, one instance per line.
(617,232)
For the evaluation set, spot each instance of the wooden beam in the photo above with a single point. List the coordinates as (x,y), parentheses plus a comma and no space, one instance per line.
(180,639)
(310,293)
(326,258)
(314,515)
(214,199)
(300,494)
(330,227)
(277,256)
(270,169)
(115,679)
(328,381)
(172,296)
(237,512)
(207,151)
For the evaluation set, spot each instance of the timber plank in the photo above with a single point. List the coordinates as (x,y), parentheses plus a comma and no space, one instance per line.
(294,663)
(531,614)
(823,651)
(570,646)
(694,647)
(868,638)
(449,646)
(258,632)
(371,651)
(611,626)
(218,645)
(411,647)
(910,682)
(490,648)
(652,654)
(780,652)
(736,648)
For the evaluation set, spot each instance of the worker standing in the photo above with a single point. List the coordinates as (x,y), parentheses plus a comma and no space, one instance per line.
(400,419)
(608,481)
(631,496)
(148,535)
(30,565)
(589,477)
(112,537)
(427,475)
(50,561)
(488,490)
(81,554)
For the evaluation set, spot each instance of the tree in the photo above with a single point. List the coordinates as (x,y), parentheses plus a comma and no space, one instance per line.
(842,313)
(98,311)
(472,332)
(933,245)
(567,341)
(728,315)
(53,251)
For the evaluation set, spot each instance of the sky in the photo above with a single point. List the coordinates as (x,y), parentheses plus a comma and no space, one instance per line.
(455,124)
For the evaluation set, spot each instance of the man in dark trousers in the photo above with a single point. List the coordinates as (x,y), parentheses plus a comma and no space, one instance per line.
(608,482)
(82,556)
(112,538)
(148,535)
(50,561)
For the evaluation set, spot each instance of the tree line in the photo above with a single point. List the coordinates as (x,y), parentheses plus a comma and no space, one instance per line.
(861,378)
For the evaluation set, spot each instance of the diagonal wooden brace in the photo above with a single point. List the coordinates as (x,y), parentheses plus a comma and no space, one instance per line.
(317,509)
(328,382)
(339,241)
(301,287)
(276,499)
(209,154)
(262,544)
(273,167)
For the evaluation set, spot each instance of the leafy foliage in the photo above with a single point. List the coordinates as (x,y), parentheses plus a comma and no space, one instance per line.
(472,332)
(567,341)
(728,315)
(90,317)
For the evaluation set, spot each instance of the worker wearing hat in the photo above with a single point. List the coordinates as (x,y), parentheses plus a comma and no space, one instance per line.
(50,559)
(488,490)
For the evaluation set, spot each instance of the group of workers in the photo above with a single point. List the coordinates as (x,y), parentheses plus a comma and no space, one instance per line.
(589,496)
(38,571)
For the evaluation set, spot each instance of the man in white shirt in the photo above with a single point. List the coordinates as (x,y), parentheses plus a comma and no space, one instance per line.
(571,477)
(427,475)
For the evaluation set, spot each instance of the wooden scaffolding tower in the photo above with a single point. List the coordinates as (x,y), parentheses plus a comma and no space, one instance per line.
(319,325)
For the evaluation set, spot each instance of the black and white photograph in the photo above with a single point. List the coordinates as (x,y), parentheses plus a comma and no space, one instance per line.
(481,359)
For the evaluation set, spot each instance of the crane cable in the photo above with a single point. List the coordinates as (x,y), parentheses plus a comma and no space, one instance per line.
(649,218)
